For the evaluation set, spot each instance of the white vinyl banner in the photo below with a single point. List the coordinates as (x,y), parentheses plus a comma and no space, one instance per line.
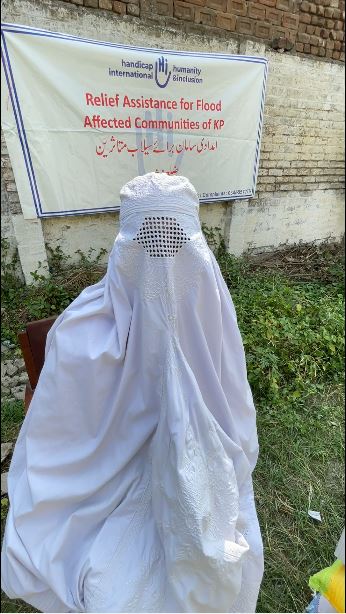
(82,117)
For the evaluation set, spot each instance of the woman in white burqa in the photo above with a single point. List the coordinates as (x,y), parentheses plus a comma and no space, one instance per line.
(130,485)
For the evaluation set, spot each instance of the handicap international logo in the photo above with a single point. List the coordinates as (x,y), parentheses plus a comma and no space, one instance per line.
(161,70)
(157,70)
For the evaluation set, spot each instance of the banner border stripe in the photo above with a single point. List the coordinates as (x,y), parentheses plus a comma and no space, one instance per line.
(12,90)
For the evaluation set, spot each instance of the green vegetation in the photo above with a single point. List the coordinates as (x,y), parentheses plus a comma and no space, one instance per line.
(49,295)
(292,323)
(12,414)
(290,309)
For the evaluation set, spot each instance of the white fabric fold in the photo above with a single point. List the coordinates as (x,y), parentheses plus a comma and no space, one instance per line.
(130,485)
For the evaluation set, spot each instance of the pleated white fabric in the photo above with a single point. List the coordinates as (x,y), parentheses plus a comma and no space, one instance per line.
(130,485)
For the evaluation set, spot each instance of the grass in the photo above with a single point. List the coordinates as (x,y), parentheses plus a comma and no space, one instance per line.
(12,414)
(292,322)
(300,468)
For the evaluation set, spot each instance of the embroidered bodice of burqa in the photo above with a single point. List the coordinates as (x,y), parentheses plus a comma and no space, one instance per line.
(130,485)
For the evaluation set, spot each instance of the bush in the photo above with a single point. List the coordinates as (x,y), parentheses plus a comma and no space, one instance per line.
(293,332)
(49,296)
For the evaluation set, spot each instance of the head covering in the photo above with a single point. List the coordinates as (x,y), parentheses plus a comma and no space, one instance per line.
(130,485)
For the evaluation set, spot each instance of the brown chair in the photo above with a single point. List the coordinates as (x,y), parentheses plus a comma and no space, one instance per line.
(32,341)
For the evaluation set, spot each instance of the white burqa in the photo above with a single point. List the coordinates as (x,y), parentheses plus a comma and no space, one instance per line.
(130,485)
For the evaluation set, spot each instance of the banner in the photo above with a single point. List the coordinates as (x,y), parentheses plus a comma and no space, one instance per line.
(82,117)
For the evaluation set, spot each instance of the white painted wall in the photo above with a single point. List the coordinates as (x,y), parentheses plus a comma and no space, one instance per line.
(286,218)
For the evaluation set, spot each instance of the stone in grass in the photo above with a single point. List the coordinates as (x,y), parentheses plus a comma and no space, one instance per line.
(3,370)
(11,382)
(20,364)
(11,368)
(15,381)
(5,450)
(19,393)
(6,380)
(4,483)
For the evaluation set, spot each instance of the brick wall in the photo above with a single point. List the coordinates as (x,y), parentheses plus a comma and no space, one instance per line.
(303,136)
(120,7)
(299,26)
(321,29)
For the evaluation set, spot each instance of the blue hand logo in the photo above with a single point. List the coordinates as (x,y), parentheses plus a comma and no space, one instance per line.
(161,66)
